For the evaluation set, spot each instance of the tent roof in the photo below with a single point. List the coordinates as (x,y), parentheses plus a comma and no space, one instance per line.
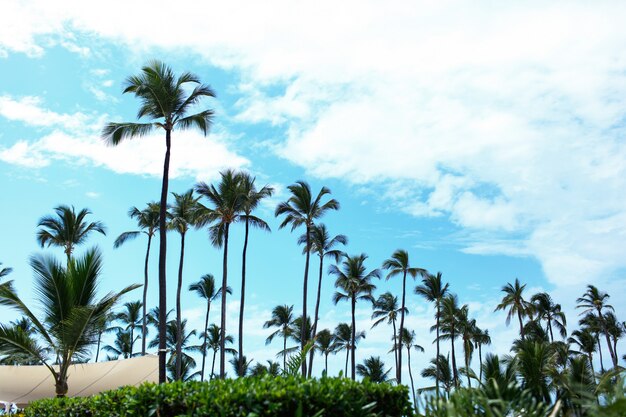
(23,384)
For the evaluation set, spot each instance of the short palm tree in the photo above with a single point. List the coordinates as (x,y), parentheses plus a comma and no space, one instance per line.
(129,318)
(324,246)
(148,224)
(282,318)
(591,323)
(241,365)
(251,198)
(67,229)
(172,340)
(354,283)
(386,309)
(546,309)
(409,340)
(513,300)
(373,369)
(69,318)
(205,289)
(166,102)
(227,201)
(434,290)
(398,265)
(450,328)
(301,209)
(213,337)
(324,345)
(595,301)
(535,363)
(439,370)
(5,271)
(585,342)
(468,329)
(182,217)
(481,338)
(122,346)
(342,340)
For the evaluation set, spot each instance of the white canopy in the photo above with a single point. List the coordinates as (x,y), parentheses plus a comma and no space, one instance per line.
(23,384)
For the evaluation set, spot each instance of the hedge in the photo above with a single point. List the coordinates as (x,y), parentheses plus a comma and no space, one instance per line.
(246,397)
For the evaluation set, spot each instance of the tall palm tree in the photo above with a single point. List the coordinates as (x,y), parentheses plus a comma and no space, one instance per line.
(373,369)
(173,335)
(585,341)
(342,340)
(481,338)
(226,200)
(354,283)
(615,329)
(301,209)
(282,318)
(591,323)
(67,229)
(130,318)
(434,290)
(69,317)
(296,335)
(322,245)
(409,341)
(386,308)
(251,198)
(397,265)
(546,309)
(324,344)
(166,102)
(535,364)
(513,300)
(205,289)
(5,271)
(468,330)
(450,327)
(595,301)
(214,335)
(182,216)
(148,223)
(439,370)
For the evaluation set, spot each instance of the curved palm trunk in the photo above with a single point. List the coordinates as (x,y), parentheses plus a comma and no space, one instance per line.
(144,320)
(593,372)
(243,291)
(395,343)
(437,376)
(352,355)
(223,318)
(550,329)
(454,370)
(179,319)
(345,373)
(600,352)
(467,367)
(317,309)
(608,339)
(204,345)
(213,365)
(304,296)
(408,353)
(521,324)
(162,260)
(399,367)
(98,346)
(480,359)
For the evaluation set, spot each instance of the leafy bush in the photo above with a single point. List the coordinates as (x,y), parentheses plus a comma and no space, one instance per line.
(245,397)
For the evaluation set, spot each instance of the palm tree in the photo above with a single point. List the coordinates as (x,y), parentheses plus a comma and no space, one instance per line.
(324,344)
(535,363)
(594,300)
(398,264)
(5,271)
(122,345)
(272,369)
(373,369)
(251,200)
(302,210)
(148,223)
(166,102)
(439,370)
(591,324)
(409,341)
(175,336)
(130,318)
(227,201)
(586,342)
(547,310)
(513,300)
(282,317)
(188,365)
(342,340)
(323,245)
(434,291)
(481,337)
(70,313)
(615,329)
(386,308)
(450,312)
(182,217)
(213,338)
(205,288)
(355,282)
(67,229)
(467,331)
(296,335)
(241,365)
(24,325)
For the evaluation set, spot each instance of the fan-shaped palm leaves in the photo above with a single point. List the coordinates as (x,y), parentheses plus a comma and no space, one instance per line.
(373,369)
(397,265)
(282,317)
(513,300)
(70,314)
(301,209)
(148,223)
(166,102)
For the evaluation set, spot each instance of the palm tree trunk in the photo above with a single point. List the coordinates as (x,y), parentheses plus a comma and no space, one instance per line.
(304,296)
(243,290)
(550,329)
(395,343)
(600,352)
(437,376)
(408,352)
(144,320)
(132,342)
(326,363)
(204,346)
(399,367)
(480,359)
(98,346)
(608,339)
(179,319)
(521,325)
(454,370)
(467,367)
(593,372)
(162,259)
(353,354)
(223,318)
(213,365)
(317,309)
(284,350)
(347,356)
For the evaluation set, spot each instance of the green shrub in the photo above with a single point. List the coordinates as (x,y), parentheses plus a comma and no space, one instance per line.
(246,397)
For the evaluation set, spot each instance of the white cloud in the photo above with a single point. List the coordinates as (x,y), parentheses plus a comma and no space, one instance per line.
(30,111)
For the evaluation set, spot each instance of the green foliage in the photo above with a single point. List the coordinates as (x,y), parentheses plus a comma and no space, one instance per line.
(250,397)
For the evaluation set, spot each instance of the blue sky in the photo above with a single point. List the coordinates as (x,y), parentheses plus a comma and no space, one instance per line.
(486,139)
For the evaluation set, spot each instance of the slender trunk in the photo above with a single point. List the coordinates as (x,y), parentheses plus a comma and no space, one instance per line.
(179,318)
(352,358)
(223,318)
(454,370)
(600,352)
(480,359)
(243,291)
(521,324)
(399,367)
(304,296)
(408,357)
(550,329)
(326,363)
(395,343)
(593,372)
(162,260)
(608,339)
(345,373)
(317,309)
(284,350)
(132,341)
(467,367)
(213,365)
(204,345)
(437,367)
(144,317)
(98,346)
